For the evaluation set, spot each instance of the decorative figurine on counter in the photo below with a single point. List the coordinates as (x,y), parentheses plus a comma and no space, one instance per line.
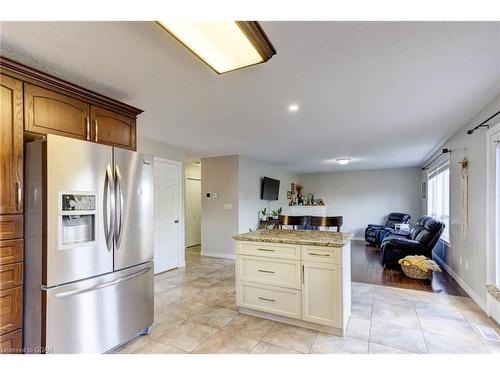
(300,200)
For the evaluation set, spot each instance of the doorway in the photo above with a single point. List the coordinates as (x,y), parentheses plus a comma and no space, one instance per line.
(193,212)
(193,203)
(168,215)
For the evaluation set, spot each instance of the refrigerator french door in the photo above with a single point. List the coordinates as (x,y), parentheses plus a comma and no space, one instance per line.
(89,250)
(134,207)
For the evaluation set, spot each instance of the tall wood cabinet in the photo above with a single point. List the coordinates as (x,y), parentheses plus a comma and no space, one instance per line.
(34,104)
(11,214)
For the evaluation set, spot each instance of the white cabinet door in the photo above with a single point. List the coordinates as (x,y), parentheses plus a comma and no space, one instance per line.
(167,215)
(321,299)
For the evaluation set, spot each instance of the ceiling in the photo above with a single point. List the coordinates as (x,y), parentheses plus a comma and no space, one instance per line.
(384,94)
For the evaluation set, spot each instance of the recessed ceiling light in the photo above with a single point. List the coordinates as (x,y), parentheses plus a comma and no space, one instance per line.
(293,107)
(223,45)
(343,161)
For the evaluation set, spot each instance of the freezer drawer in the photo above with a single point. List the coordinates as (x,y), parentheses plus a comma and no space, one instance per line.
(95,315)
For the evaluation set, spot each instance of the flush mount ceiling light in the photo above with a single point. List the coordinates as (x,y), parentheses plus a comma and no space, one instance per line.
(223,45)
(293,107)
(343,161)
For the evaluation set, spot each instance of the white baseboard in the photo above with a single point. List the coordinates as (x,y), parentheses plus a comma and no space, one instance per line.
(462,283)
(218,255)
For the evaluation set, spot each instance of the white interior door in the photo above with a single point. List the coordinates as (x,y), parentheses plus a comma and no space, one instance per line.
(193,212)
(167,215)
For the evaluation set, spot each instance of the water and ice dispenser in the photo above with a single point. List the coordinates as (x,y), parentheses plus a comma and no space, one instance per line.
(77,219)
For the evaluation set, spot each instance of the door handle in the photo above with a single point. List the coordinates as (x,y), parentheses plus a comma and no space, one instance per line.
(88,128)
(74,292)
(109,207)
(176,221)
(319,255)
(96,128)
(120,200)
(19,195)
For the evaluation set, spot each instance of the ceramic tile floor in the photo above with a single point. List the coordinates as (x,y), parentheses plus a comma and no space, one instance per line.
(195,312)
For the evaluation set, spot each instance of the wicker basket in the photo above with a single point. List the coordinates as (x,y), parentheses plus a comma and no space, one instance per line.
(415,272)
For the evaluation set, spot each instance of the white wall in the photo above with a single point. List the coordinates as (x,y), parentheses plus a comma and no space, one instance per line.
(162,150)
(219,223)
(250,173)
(472,249)
(192,170)
(364,197)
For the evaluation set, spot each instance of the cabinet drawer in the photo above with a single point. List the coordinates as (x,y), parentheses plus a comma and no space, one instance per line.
(11,251)
(321,254)
(11,226)
(11,276)
(271,250)
(11,343)
(272,271)
(10,309)
(275,300)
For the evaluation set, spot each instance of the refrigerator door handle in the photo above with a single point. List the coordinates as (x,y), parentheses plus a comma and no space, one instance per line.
(74,292)
(119,196)
(109,207)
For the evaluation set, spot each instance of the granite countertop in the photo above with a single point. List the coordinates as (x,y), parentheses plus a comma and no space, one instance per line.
(298,237)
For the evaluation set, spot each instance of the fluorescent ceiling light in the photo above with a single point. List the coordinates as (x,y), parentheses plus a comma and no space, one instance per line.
(223,45)
(343,161)
(293,107)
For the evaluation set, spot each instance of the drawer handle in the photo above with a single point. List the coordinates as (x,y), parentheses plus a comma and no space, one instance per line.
(265,271)
(320,255)
(267,299)
(265,249)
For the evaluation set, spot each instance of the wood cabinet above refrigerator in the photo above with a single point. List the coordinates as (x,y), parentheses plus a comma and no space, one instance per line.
(55,106)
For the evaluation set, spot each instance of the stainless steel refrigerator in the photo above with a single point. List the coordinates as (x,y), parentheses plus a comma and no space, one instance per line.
(89,246)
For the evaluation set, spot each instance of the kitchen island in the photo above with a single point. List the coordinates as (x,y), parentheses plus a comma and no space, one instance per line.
(300,277)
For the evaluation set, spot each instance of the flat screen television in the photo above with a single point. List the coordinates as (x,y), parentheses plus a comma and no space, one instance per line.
(270,189)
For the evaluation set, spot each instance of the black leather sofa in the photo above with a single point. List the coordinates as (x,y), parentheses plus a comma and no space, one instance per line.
(419,241)
(375,233)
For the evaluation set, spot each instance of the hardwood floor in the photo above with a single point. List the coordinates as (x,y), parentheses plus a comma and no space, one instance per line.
(366,268)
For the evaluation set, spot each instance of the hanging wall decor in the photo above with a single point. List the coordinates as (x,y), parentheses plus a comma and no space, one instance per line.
(464,196)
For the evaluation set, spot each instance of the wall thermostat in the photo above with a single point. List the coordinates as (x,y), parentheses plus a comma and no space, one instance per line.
(211,195)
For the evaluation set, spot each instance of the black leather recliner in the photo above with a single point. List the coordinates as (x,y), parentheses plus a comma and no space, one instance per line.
(419,241)
(375,233)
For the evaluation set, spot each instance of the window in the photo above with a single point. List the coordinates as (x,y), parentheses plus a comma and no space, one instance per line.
(438,196)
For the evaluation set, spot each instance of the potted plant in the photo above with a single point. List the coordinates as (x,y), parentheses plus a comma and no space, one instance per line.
(263,214)
(277,212)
